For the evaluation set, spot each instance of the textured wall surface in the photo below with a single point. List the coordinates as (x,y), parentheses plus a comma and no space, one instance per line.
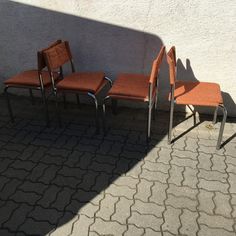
(116,36)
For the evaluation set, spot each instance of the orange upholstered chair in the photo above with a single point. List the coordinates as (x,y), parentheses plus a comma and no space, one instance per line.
(88,83)
(193,93)
(37,79)
(137,87)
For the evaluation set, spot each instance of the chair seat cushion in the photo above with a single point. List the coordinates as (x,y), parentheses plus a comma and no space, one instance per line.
(130,86)
(198,93)
(30,78)
(83,81)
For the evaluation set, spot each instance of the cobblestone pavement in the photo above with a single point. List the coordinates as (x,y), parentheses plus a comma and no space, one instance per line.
(69,181)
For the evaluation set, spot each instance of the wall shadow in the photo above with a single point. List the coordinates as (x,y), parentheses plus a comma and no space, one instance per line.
(48,175)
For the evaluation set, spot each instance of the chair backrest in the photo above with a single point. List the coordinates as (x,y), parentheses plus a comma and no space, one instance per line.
(171,59)
(58,55)
(156,66)
(41,61)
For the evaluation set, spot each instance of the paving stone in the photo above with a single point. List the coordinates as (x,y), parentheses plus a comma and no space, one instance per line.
(154,176)
(206,203)
(133,230)
(147,208)
(49,196)
(122,210)
(6,211)
(107,227)
(205,161)
(107,207)
(189,224)
(121,191)
(68,180)
(126,181)
(144,190)
(218,163)
(164,155)
(9,189)
(41,214)
(176,175)
(38,188)
(37,172)
(25,197)
(63,199)
(65,228)
(208,231)
(213,175)
(152,155)
(190,177)
(181,202)
(32,227)
(213,186)
(216,221)
(183,162)
(222,202)
(159,193)
(135,169)
(145,221)
(232,181)
(172,222)
(18,217)
(81,226)
(156,167)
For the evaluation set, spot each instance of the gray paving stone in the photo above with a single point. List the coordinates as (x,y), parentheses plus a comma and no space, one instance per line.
(172,222)
(222,202)
(145,221)
(206,203)
(146,208)
(207,231)
(107,227)
(107,207)
(216,221)
(144,190)
(62,181)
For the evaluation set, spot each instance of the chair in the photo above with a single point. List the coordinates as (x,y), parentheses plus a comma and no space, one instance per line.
(193,93)
(87,83)
(137,87)
(37,79)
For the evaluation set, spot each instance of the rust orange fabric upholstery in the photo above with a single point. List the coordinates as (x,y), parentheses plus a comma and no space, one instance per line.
(130,86)
(57,56)
(171,59)
(156,65)
(30,78)
(85,82)
(197,93)
(41,61)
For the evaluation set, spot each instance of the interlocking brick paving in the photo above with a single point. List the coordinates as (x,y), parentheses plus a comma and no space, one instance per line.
(69,181)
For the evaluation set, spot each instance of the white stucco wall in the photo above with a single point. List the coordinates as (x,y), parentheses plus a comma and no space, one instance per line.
(119,35)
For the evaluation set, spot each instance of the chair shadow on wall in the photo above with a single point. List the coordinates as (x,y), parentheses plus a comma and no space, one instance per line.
(52,173)
(185,72)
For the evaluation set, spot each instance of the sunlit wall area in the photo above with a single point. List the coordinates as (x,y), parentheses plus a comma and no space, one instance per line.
(124,36)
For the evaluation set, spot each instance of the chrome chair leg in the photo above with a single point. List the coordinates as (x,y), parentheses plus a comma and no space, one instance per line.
(171,121)
(149,121)
(215,115)
(218,146)
(96,112)
(9,104)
